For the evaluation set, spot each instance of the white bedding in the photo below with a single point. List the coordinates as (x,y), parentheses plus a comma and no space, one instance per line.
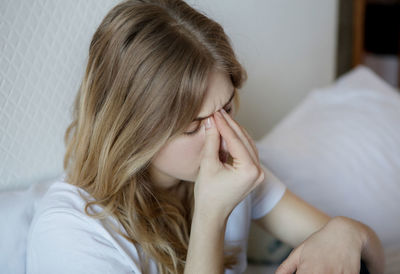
(16,211)
(339,150)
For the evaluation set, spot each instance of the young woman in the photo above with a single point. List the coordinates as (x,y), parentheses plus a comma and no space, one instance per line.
(159,177)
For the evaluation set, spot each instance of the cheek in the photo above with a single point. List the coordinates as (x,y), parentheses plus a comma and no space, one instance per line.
(189,148)
(184,152)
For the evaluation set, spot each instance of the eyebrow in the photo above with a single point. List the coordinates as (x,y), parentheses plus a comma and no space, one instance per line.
(230,99)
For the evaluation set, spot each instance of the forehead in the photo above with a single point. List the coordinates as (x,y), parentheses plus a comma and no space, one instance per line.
(218,92)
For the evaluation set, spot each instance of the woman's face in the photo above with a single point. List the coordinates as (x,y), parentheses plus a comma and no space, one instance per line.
(179,159)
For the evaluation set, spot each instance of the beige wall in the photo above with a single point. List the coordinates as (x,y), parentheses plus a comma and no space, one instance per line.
(287,46)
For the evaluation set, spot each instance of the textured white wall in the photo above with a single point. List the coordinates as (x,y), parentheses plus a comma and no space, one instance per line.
(286,46)
(44,48)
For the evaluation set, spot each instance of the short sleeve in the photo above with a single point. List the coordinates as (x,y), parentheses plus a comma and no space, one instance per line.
(266,195)
(62,242)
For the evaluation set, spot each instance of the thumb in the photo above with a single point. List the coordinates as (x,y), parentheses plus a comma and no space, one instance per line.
(211,144)
(290,265)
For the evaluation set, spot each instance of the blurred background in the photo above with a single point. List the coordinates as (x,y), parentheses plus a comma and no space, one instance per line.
(291,47)
(369,34)
(287,48)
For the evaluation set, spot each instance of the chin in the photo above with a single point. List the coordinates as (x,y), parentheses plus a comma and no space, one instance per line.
(190,180)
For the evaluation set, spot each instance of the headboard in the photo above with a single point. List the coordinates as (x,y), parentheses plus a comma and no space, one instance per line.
(44,46)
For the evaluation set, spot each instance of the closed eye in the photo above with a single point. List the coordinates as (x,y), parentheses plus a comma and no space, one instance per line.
(227,109)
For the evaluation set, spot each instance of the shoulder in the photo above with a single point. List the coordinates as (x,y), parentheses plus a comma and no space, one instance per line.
(62,204)
(63,239)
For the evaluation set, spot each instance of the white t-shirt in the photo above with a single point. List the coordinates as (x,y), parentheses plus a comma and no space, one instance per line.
(63,239)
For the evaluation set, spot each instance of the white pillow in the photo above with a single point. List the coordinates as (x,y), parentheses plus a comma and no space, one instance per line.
(16,212)
(339,150)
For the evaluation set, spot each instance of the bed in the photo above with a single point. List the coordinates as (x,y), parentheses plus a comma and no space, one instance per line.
(339,149)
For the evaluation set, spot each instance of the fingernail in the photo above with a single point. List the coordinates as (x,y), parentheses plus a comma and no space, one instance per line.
(223,111)
(208,123)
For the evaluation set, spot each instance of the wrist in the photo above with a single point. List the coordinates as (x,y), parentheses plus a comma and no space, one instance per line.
(203,208)
(206,244)
(356,230)
(371,249)
(210,217)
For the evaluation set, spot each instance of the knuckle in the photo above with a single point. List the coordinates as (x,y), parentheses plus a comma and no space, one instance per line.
(261,177)
(252,171)
(281,269)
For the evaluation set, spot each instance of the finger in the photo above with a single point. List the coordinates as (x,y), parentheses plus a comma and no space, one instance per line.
(248,141)
(211,144)
(251,141)
(241,132)
(289,266)
(235,145)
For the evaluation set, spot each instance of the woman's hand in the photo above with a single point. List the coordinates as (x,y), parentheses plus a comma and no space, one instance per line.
(220,186)
(336,248)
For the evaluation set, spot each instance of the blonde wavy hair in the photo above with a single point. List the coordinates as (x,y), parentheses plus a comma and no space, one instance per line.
(145,81)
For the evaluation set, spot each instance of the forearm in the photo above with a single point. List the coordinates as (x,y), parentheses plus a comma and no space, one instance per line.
(293,220)
(206,244)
